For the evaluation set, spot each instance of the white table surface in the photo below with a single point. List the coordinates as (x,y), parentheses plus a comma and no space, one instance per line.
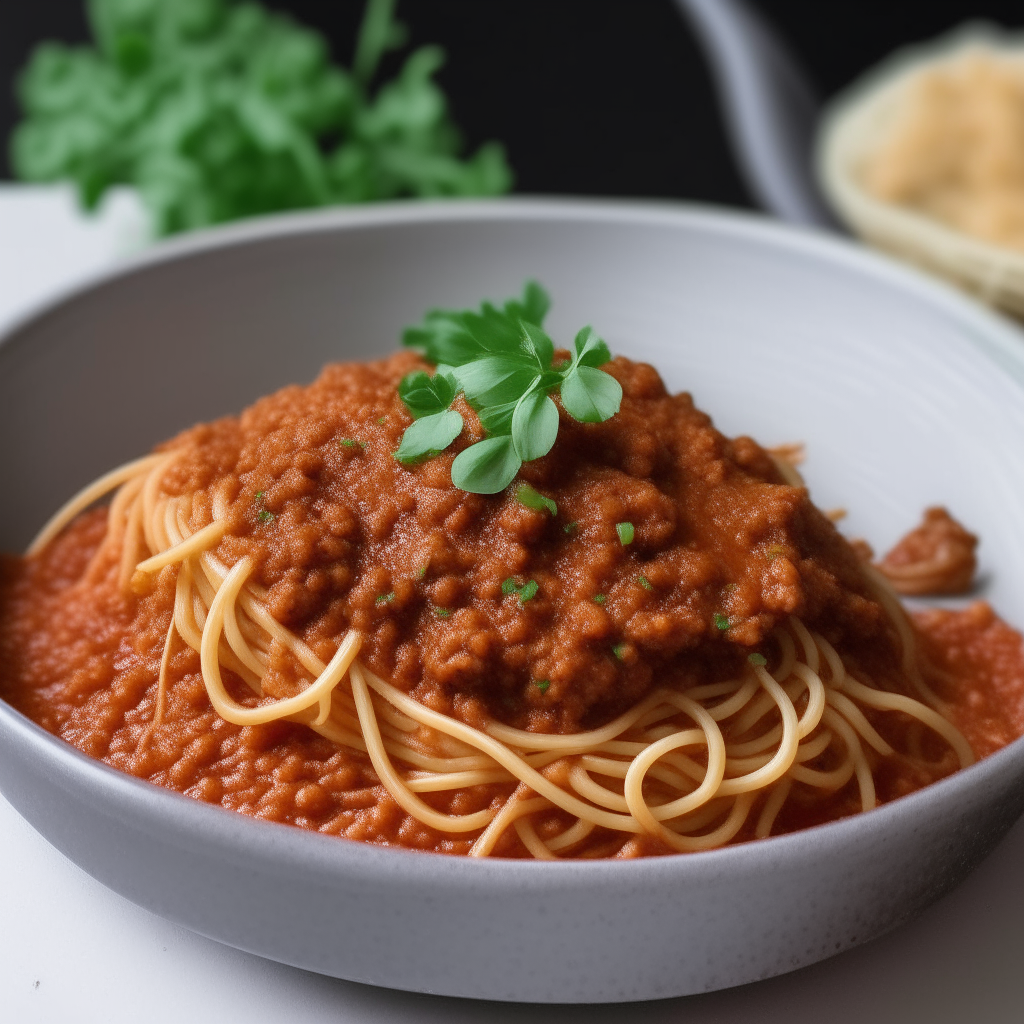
(71,950)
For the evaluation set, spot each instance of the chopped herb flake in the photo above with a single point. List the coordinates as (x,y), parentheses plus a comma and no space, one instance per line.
(542,685)
(618,650)
(442,613)
(527,496)
(264,516)
(510,587)
(382,421)
(757,659)
(644,582)
(721,621)
(625,532)
(260,495)
(529,590)
(422,571)
(347,442)
(600,598)
(385,598)
(572,527)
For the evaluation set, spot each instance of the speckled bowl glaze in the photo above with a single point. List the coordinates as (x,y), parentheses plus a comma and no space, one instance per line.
(906,394)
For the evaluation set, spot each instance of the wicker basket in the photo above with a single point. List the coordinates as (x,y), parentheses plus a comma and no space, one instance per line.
(851,129)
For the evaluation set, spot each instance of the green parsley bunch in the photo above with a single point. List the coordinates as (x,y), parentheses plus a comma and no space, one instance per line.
(216,110)
(502,361)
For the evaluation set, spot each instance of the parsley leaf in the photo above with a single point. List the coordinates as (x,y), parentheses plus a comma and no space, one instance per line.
(486,467)
(644,582)
(527,496)
(721,621)
(428,436)
(600,598)
(424,395)
(502,361)
(625,532)
(542,685)
(534,425)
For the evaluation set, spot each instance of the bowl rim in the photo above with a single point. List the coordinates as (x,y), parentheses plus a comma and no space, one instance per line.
(148,803)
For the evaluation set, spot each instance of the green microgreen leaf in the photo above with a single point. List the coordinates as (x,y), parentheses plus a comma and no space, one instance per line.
(534,426)
(496,380)
(428,436)
(757,659)
(486,467)
(619,650)
(721,621)
(589,349)
(543,685)
(532,307)
(385,598)
(527,496)
(625,532)
(537,344)
(600,598)
(644,582)
(590,395)
(442,613)
(424,395)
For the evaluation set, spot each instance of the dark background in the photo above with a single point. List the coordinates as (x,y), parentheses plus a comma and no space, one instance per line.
(600,97)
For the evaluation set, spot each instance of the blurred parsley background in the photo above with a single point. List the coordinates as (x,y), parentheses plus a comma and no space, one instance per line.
(598,97)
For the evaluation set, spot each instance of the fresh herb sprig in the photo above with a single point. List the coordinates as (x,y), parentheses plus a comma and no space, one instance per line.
(502,361)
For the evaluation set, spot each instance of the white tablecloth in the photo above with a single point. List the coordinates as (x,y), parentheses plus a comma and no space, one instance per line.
(71,950)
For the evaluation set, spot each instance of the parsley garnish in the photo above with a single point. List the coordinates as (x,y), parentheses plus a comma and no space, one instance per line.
(600,599)
(259,496)
(527,496)
(572,527)
(501,361)
(524,592)
(618,650)
(721,621)
(442,613)
(264,516)
(625,532)
(422,571)
(644,582)
(347,442)
(385,598)
(542,685)
(382,421)
(757,659)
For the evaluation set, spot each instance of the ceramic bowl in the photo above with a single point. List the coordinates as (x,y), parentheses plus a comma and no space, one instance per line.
(905,393)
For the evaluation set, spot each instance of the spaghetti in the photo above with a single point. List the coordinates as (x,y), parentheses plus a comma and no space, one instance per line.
(690,766)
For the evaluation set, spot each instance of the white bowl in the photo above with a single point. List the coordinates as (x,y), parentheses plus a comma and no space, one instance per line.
(906,395)
(851,130)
